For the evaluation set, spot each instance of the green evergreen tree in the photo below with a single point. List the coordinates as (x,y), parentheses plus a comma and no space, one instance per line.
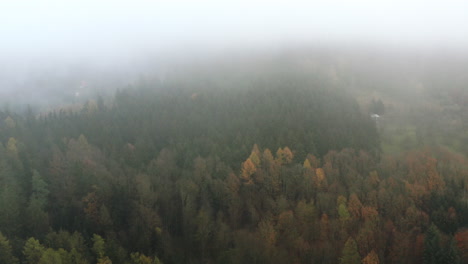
(451,254)
(52,256)
(343,212)
(37,221)
(432,250)
(350,254)
(6,254)
(33,251)
(98,246)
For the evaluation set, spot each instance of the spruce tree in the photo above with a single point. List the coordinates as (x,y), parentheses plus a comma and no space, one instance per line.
(350,254)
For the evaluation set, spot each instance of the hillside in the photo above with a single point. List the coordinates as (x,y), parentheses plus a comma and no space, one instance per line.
(276,167)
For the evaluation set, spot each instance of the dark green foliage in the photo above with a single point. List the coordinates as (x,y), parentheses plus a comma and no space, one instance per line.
(451,253)
(432,246)
(436,252)
(6,254)
(173,174)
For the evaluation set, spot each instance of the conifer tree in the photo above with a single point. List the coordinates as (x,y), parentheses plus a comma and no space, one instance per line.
(33,251)
(432,250)
(248,169)
(350,254)
(6,254)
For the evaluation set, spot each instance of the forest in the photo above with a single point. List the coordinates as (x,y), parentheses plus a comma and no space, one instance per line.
(228,164)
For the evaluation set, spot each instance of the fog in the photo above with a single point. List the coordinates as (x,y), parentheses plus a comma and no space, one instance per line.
(121,39)
(109,27)
(233,131)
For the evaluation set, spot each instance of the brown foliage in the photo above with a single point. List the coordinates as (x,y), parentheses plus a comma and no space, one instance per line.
(248,169)
(319,179)
(354,206)
(369,213)
(92,205)
(371,258)
(314,162)
(324,227)
(462,243)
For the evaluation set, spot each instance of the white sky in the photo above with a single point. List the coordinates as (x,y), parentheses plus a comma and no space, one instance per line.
(68,28)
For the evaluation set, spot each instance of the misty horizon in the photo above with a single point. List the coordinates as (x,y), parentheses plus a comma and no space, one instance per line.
(123,28)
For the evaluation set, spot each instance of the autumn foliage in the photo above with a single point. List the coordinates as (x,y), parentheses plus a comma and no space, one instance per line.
(179,179)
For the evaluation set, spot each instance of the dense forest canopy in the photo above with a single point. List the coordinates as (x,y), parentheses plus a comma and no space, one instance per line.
(267,161)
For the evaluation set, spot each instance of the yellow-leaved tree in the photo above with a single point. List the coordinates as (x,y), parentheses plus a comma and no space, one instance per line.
(255,156)
(248,169)
(371,258)
(284,156)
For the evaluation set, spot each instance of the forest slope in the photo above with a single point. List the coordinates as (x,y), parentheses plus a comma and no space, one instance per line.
(276,171)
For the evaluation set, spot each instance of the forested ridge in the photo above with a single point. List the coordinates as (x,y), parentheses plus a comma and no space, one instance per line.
(275,171)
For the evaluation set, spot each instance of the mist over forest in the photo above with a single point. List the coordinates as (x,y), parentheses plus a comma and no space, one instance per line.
(144,133)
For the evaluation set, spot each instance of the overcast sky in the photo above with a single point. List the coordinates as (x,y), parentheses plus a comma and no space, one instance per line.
(93,27)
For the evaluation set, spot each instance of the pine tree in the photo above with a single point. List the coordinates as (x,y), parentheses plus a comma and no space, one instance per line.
(451,254)
(6,254)
(33,251)
(432,250)
(98,246)
(350,254)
